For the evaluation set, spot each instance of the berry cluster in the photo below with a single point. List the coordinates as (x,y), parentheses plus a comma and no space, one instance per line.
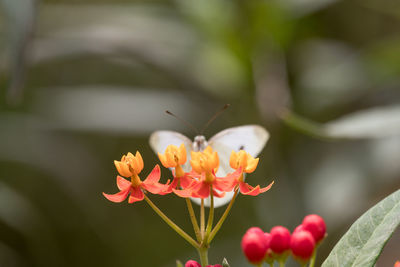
(278,244)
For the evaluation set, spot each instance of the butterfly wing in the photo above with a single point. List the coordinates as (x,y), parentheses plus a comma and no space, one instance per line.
(159,141)
(251,138)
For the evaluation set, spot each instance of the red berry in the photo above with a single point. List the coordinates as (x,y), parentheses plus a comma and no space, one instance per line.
(298,228)
(254,245)
(192,263)
(315,225)
(280,239)
(255,229)
(302,244)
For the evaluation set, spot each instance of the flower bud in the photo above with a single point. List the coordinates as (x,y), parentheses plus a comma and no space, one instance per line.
(280,239)
(315,225)
(302,244)
(254,245)
(192,263)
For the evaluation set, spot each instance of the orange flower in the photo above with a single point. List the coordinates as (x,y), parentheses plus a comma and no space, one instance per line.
(205,164)
(174,157)
(244,162)
(205,161)
(131,166)
(397,264)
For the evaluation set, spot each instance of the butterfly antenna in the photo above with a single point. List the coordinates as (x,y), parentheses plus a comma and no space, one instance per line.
(214,117)
(183,121)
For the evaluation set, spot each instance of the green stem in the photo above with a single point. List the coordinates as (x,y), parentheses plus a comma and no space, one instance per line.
(210,218)
(172,224)
(223,217)
(281,263)
(203,253)
(202,220)
(313,257)
(193,219)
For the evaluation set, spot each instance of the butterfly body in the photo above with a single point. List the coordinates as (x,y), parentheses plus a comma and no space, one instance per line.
(199,143)
(251,138)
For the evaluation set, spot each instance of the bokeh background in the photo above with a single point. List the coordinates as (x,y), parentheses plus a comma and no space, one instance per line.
(84,81)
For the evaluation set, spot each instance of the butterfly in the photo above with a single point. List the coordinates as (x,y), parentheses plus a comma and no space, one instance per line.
(251,138)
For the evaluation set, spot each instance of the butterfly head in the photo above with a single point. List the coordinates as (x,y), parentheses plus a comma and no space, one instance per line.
(199,143)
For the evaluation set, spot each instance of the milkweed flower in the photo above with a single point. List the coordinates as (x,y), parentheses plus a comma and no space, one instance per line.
(205,164)
(131,166)
(175,157)
(246,163)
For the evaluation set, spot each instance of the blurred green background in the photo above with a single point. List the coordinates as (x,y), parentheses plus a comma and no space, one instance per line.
(84,81)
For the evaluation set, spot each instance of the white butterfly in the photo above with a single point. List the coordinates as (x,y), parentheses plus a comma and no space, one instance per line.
(251,138)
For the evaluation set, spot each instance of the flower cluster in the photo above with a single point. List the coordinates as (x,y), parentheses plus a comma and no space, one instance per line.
(200,182)
(259,246)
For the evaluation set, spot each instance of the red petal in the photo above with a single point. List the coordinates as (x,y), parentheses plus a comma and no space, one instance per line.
(224,185)
(118,197)
(247,189)
(123,183)
(183,193)
(154,176)
(201,190)
(168,187)
(234,175)
(265,189)
(218,194)
(136,194)
(186,181)
(154,188)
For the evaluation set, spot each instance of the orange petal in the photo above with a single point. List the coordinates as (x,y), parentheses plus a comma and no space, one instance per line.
(196,166)
(122,168)
(163,160)
(233,160)
(182,154)
(251,165)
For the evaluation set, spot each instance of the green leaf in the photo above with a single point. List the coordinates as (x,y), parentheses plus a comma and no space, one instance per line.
(179,263)
(378,122)
(225,263)
(364,241)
